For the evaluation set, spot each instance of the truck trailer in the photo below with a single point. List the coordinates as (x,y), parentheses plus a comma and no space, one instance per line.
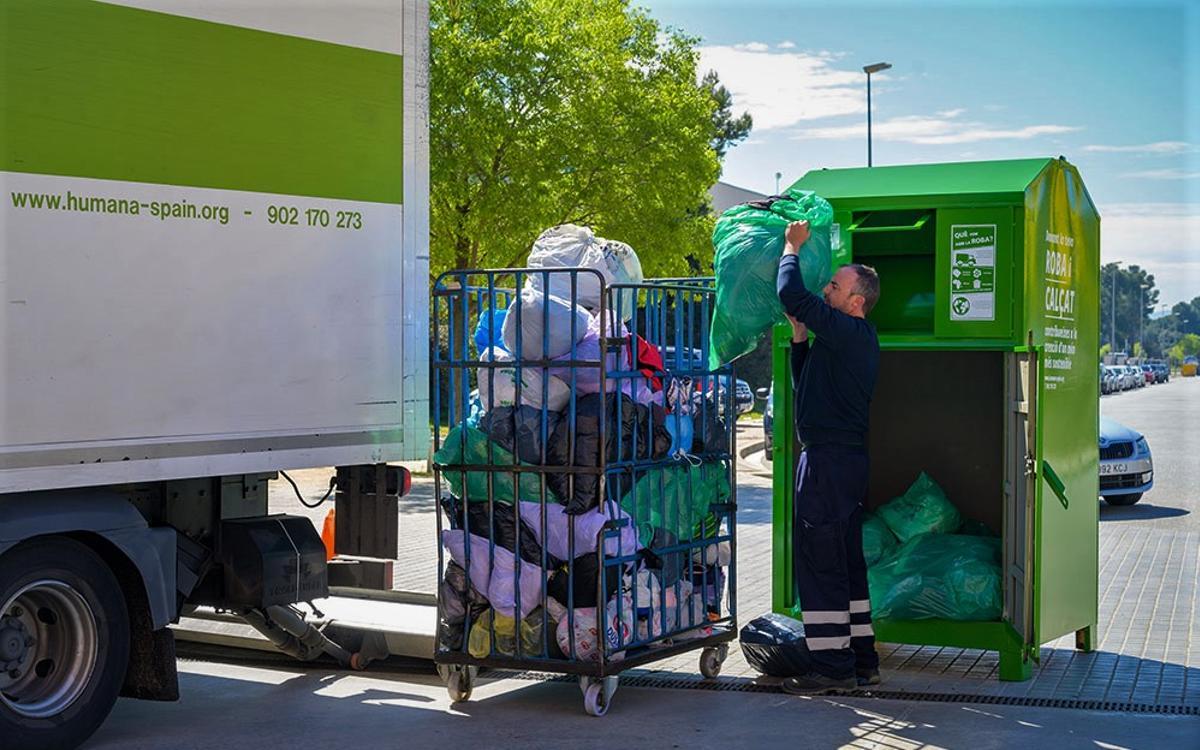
(213,268)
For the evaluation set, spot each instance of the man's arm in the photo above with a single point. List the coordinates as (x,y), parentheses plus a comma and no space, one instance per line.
(801,304)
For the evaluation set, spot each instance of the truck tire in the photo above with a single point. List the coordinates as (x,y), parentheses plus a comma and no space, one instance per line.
(64,643)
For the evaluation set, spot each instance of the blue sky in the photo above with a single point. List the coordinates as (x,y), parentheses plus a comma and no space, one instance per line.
(1114,87)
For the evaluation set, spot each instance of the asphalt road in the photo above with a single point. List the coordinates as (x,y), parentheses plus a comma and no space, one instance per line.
(1168,415)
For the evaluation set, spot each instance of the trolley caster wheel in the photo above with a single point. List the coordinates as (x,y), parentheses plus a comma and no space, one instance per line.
(459,683)
(597,694)
(711,660)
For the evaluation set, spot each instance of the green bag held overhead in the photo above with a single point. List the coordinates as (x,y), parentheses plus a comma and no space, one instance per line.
(748,241)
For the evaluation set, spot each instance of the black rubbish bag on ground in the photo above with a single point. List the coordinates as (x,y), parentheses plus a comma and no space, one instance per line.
(520,427)
(627,423)
(502,529)
(586,582)
(456,599)
(774,645)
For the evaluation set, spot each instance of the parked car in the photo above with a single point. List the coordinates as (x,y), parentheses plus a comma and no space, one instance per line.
(1126,465)
(1105,381)
(1162,372)
(692,359)
(1115,379)
(768,394)
(1148,375)
(1133,377)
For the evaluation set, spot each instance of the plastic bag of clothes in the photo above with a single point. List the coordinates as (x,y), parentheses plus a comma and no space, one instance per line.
(533,637)
(520,428)
(774,645)
(498,523)
(586,528)
(456,599)
(488,329)
(675,498)
(571,246)
(498,385)
(464,445)
(945,576)
(922,509)
(877,539)
(748,240)
(631,430)
(548,326)
(498,580)
(581,640)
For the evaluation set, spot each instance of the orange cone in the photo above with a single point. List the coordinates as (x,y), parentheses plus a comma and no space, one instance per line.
(327,534)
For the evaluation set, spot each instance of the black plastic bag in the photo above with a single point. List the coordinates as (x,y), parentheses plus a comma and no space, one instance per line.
(456,599)
(503,528)
(519,430)
(586,581)
(624,418)
(774,645)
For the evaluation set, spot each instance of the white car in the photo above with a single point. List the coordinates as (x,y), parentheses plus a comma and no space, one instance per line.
(1126,466)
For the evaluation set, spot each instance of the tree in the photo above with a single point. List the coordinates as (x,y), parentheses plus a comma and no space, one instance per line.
(545,112)
(1130,322)
(1187,315)
(730,130)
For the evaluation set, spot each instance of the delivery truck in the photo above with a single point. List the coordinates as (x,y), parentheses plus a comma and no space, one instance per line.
(213,268)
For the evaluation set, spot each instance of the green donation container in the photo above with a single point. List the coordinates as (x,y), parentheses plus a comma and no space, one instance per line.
(988,326)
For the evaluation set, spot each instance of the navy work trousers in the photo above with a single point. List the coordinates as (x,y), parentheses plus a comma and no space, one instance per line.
(829,573)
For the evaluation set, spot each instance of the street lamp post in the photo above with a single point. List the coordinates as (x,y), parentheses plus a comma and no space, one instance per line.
(869,69)
(1142,315)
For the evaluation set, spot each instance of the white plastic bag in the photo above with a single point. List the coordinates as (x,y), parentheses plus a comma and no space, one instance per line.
(571,246)
(499,386)
(562,322)
(588,643)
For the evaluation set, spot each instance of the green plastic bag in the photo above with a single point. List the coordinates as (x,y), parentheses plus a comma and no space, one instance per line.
(748,240)
(942,576)
(452,454)
(660,499)
(877,539)
(923,509)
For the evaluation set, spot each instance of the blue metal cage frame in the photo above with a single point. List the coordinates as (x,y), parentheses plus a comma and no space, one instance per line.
(641,490)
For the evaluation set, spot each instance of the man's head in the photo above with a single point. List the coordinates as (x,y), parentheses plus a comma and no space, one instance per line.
(853,290)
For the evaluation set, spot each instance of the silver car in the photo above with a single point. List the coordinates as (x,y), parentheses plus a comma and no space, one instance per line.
(1126,465)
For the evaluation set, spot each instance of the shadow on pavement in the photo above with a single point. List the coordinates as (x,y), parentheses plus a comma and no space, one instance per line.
(1139,512)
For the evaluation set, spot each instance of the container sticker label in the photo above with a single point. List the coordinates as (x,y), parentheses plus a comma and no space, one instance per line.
(973,272)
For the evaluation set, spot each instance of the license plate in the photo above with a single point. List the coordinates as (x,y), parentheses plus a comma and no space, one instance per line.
(1106,469)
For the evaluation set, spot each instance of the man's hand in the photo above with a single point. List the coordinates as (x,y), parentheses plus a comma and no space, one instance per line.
(799,331)
(796,234)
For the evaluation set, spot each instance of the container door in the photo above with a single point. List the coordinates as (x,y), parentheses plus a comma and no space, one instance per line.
(1020,491)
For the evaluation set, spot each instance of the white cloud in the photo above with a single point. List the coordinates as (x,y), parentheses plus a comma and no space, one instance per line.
(1158,147)
(786,45)
(1163,238)
(1163,174)
(781,89)
(942,129)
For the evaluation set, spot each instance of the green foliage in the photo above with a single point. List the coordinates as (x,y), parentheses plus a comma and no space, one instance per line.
(585,111)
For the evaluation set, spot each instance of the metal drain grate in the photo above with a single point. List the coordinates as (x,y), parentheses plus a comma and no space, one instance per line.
(740,685)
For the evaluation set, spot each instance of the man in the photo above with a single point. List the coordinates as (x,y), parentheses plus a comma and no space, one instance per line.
(834,378)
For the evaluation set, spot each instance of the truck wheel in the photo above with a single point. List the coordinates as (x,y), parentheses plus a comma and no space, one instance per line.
(1123,499)
(64,643)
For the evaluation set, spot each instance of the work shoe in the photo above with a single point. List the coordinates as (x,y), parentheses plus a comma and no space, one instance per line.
(866,677)
(817,684)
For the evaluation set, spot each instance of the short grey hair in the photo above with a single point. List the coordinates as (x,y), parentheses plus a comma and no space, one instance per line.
(867,285)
